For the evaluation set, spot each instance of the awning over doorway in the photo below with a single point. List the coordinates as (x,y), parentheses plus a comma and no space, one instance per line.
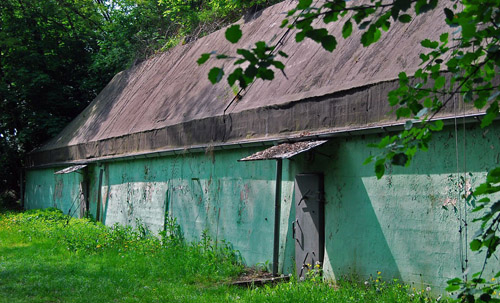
(284,150)
(70,169)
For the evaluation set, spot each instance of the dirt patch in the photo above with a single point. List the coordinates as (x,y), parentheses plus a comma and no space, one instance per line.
(252,277)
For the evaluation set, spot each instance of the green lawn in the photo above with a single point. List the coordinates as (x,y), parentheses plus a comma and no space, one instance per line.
(47,257)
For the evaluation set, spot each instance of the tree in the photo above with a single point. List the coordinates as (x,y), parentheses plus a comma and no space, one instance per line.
(55,56)
(45,47)
(471,62)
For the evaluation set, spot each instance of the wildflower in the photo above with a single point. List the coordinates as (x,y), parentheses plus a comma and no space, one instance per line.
(428,288)
(493,279)
(376,280)
(366,283)
(98,246)
(379,272)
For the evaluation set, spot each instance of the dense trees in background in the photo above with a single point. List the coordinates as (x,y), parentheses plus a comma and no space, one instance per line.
(56,55)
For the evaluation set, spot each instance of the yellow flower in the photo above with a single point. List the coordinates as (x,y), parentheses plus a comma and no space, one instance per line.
(378,272)
(493,279)
(98,246)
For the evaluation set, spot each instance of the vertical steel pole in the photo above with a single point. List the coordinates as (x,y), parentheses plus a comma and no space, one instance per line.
(277,215)
(99,197)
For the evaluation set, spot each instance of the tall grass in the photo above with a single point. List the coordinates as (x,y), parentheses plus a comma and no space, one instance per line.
(46,256)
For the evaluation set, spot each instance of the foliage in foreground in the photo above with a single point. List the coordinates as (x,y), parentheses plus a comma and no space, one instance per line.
(461,67)
(57,55)
(46,256)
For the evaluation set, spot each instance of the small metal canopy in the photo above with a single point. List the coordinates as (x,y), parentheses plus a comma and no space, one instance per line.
(284,150)
(70,169)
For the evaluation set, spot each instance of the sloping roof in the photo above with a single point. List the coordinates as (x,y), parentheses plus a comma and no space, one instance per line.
(167,102)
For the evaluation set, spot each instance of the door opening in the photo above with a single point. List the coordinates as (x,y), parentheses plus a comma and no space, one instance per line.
(309,223)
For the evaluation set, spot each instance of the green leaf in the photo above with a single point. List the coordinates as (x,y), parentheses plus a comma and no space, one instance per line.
(495,207)
(233,33)
(439,82)
(247,55)
(329,43)
(491,114)
(429,44)
(437,125)
(283,54)
(454,281)
(449,14)
(317,34)
(284,23)
(452,288)
(331,17)
(493,175)
(400,159)
(370,36)
(203,58)
(403,112)
(443,38)
(251,71)
(379,169)
(235,75)
(215,75)
(278,65)
(475,244)
(403,78)
(404,18)
(299,37)
(265,74)
(303,4)
(347,29)
(408,124)
(368,160)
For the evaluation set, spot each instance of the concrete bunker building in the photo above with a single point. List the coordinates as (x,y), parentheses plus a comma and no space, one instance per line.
(160,138)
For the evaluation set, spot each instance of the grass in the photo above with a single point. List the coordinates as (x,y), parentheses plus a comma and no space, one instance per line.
(47,257)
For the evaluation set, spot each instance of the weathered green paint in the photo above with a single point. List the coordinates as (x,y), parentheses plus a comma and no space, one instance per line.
(396,225)
(230,200)
(45,189)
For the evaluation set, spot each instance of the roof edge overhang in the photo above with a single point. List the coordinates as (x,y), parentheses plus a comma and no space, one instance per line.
(360,109)
(263,142)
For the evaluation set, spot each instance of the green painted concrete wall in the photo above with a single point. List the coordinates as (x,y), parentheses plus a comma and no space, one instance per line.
(45,189)
(231,200)
(396,225)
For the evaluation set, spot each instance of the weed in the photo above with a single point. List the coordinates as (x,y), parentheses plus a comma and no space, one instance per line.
(46,256)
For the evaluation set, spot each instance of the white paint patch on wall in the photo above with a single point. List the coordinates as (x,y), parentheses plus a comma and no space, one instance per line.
(132,202)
